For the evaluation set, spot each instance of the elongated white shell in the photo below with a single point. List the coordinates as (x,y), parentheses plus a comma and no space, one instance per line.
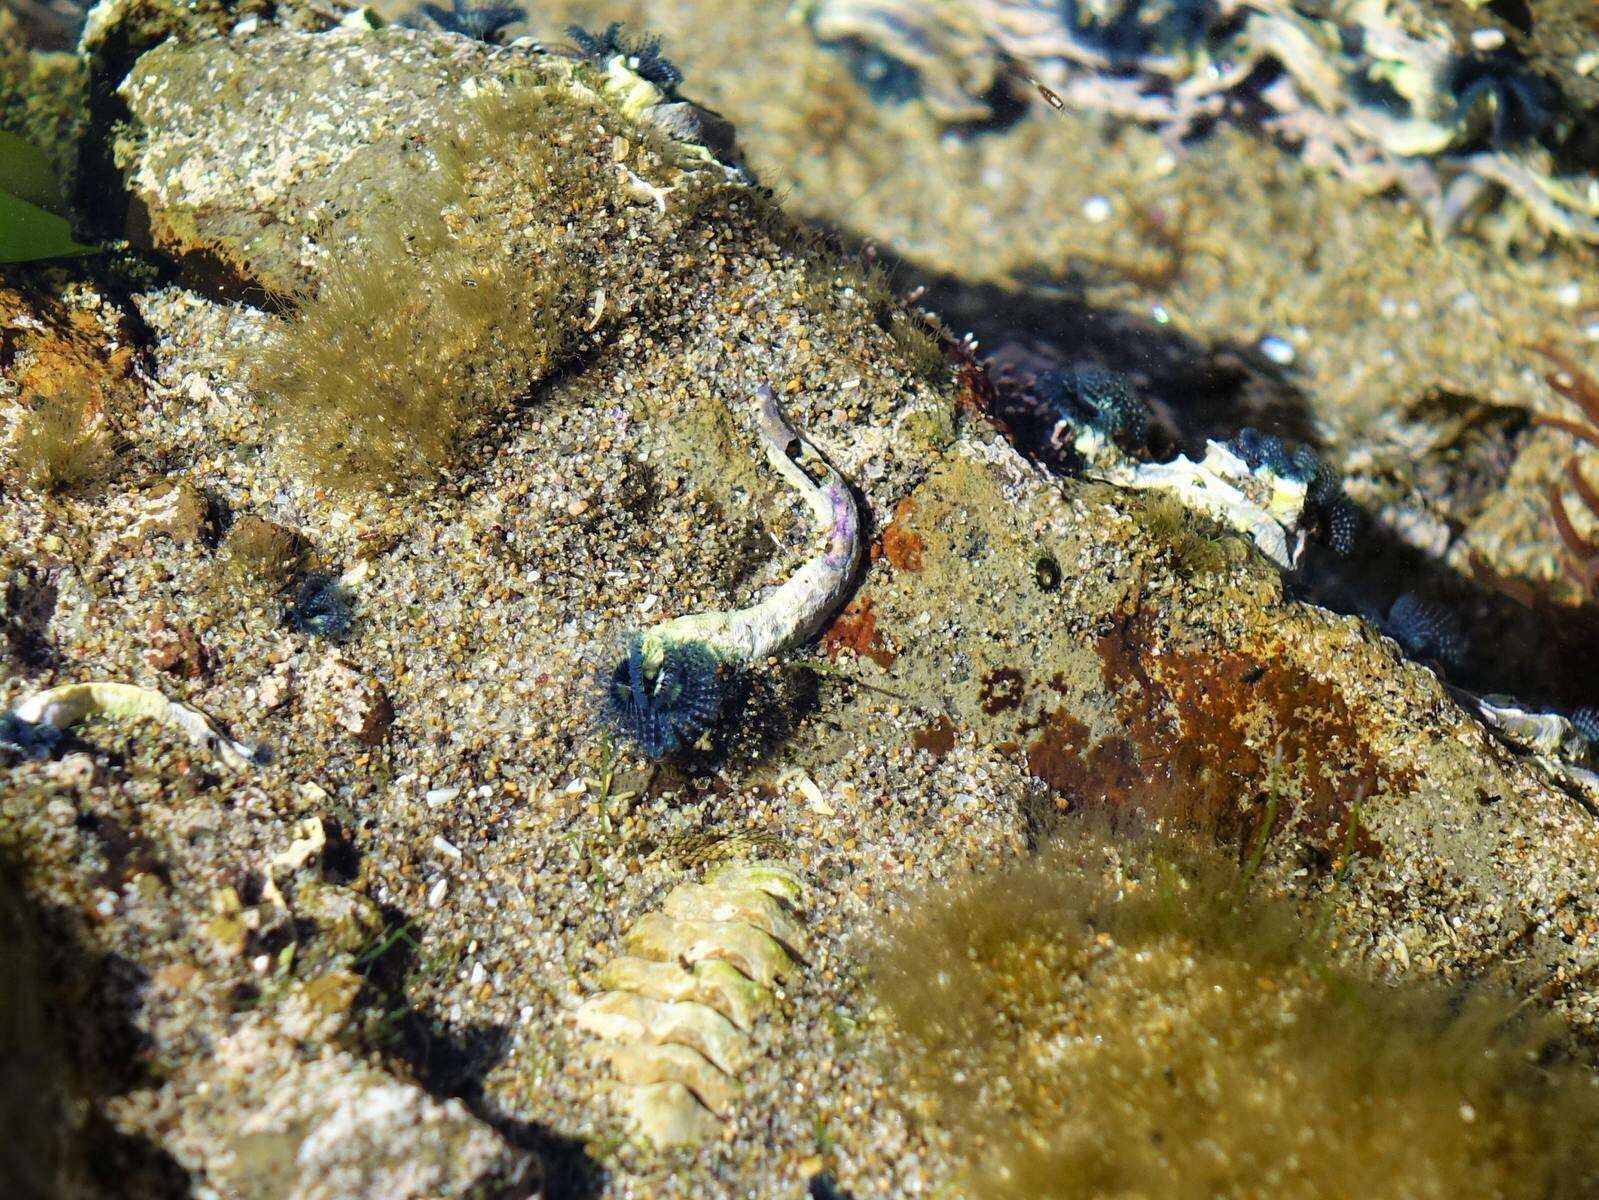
(63,707)
(797,610)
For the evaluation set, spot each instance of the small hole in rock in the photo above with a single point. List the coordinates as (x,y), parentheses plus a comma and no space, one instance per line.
(1046,573)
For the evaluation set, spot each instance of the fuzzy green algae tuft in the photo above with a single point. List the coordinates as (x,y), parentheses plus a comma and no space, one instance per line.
(1127,1022)
(61,441)
(422,336)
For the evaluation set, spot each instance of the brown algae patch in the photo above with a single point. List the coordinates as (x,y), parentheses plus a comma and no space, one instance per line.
(422,335)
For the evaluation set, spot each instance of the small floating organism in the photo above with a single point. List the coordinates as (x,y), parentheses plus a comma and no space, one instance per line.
(665,690)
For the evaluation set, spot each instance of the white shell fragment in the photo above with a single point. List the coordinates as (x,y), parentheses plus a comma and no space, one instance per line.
(1543,733)
(1550,736)
(65,706)
(679,1005)
(1260,502)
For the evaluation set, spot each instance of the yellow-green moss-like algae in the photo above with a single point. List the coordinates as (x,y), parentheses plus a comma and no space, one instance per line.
(61,441)
(1109,1023)
(416,340)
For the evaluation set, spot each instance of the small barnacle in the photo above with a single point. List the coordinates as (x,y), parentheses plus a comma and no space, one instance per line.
(643,56)
(482,24)
(1046,572)
(27,739)
(322,607)
(663,695)
(1426,629)
(1497,90)
(1092,395)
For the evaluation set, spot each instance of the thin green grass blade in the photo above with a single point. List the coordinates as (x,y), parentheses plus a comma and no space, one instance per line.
(28,232)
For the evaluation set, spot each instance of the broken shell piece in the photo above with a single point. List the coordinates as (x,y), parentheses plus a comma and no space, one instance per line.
(668,1114)
(754,951)
(1543,733)
(175,510)
(680,1005)
(1260,503)
(799,608)
(63,707)
(1550,736)
(358,705)
(618,1015)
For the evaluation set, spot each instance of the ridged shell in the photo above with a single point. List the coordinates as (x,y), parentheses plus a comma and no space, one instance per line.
(680,1003)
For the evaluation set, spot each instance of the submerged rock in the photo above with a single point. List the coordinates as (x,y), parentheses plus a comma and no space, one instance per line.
(267,1122)
(1019,646)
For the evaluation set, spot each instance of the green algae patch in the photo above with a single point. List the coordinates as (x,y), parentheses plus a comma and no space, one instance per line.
(1124,1020)
(428,331)
(62,442)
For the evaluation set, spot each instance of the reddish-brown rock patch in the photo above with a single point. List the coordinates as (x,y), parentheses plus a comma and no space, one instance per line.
(855,630)
(1207,738)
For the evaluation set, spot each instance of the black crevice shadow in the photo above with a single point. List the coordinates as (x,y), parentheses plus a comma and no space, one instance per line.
(70,1041)
(451,1063)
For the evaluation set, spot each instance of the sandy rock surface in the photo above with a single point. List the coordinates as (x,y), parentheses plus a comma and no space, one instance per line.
(367,956)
